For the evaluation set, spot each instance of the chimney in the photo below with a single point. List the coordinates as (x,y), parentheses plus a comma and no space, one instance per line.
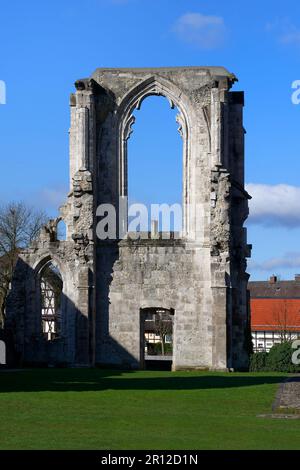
(273,279)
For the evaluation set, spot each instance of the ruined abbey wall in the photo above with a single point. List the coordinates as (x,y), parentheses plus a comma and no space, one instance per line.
(201,274)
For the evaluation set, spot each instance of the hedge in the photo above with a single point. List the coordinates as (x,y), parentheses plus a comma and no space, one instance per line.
(279,359)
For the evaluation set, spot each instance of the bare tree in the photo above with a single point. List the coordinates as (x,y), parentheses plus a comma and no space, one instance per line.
(163,327)
(19,226)
(283,318)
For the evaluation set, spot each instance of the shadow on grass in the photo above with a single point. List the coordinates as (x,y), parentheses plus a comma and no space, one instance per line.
(86,380)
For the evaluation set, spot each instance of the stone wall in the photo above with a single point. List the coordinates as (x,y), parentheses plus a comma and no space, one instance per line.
(153,273)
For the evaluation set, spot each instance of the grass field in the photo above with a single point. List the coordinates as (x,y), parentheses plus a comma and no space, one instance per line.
(96,409)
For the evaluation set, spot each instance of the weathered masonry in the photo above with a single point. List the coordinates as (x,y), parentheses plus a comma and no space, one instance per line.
(97,291)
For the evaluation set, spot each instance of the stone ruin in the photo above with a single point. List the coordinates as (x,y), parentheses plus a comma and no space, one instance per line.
(97,315)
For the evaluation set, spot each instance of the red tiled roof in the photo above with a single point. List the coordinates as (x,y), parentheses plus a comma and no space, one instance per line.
(275,314)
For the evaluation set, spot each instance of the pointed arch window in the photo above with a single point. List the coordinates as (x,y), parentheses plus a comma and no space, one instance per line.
(51,286)
(132,102)
(155,164)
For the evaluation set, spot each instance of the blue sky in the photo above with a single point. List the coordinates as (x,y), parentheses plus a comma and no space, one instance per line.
(47,45)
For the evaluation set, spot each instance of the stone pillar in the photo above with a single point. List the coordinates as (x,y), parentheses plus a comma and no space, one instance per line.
(81,211)
(82,130)
(215,127)
(83,134)
(83,309)
(220,266)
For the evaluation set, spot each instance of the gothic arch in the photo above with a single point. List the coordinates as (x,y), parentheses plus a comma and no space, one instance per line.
(44,261)
(155,86)
(42,286)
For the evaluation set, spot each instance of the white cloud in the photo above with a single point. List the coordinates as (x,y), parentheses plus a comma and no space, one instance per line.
(274,205)
(205,32)
(293,37)
(285,30)
(48,199)
(288,260)
(53,197)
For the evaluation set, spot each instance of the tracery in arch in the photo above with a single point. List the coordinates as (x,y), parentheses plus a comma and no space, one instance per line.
(155,165)
(127,109)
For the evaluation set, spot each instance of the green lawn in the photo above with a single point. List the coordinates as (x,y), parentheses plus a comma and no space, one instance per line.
(97,409)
